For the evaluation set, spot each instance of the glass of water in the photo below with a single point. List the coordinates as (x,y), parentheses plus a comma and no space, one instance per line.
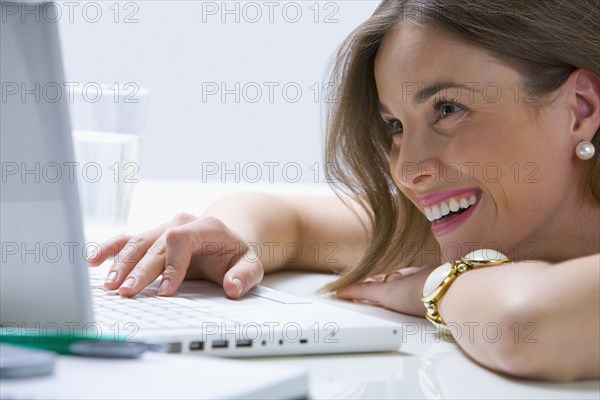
(108,122)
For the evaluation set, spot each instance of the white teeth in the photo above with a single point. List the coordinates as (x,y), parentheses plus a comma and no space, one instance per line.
(435,212)
(453,204)
(444,208)
(428,214)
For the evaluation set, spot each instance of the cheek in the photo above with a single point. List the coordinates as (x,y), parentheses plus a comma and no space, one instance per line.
(481,138)
(488,149)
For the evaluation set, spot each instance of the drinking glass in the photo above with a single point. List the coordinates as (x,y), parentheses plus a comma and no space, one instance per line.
(108,123)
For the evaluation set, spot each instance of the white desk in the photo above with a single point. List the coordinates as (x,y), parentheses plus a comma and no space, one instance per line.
(425,366)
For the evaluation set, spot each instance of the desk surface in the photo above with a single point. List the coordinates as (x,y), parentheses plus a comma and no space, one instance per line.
(424,367)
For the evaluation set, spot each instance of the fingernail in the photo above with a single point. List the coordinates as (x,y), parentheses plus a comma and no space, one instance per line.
(239,285)
(164,287)
(129,282)
(112,276)
(92,253)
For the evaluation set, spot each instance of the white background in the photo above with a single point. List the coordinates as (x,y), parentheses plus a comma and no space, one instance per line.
(180,49)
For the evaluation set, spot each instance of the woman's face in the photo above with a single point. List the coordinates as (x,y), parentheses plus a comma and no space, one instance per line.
(487,166)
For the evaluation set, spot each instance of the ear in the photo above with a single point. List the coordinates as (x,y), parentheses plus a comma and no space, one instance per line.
(584,93)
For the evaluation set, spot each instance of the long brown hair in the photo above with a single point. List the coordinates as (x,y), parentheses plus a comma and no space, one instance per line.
(544,40)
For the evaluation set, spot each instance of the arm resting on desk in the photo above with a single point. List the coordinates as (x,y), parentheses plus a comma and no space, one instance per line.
(234,242)
(528,319)
(549,316)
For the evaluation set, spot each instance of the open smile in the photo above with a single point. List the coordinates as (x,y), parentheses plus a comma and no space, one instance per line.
(447,211)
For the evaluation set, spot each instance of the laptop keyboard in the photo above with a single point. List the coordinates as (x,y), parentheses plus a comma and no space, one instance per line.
(149,311)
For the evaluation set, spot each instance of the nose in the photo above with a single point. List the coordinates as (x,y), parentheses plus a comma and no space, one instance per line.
(417,164)
(418,174)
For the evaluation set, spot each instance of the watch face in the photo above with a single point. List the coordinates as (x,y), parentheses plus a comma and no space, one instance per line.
(436,277)
(485,256)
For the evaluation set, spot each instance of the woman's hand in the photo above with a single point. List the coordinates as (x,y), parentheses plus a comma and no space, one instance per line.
(401,292)
(187,247)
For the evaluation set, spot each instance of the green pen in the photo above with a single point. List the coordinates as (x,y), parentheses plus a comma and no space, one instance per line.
(77,343)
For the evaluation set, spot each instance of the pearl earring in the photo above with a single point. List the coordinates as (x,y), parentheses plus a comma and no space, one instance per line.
(585,150)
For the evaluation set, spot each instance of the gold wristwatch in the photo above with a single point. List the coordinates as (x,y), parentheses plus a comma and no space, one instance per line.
(439,281)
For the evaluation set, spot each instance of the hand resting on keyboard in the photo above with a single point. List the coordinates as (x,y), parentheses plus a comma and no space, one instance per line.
(187,247)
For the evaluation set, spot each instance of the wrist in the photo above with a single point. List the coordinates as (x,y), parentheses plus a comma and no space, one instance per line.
(409,291)
(440,279)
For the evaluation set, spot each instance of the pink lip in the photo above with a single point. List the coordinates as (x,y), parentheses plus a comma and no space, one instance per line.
(438,197)
(443,228)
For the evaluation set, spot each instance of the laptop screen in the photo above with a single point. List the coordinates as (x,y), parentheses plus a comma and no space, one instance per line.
(43,270)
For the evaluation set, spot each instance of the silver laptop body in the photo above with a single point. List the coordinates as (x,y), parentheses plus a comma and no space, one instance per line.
(44,276)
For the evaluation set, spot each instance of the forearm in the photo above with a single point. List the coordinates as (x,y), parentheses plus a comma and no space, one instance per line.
(530,319)
(317,233)
(265,221)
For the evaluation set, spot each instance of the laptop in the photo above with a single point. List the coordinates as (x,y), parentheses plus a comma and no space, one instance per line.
(45,281)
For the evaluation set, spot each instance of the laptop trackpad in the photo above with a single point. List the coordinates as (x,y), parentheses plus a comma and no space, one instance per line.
(274,295)
(259,295)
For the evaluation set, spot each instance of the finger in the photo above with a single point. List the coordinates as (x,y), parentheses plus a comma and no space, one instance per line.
(129,255)
(152,263)
(399,293)
(369,291)
(110,248)
(411,270)
(246,273)
(394,276)
(181,243)
(147,269)
(403,272)
(377,278)
(200,237)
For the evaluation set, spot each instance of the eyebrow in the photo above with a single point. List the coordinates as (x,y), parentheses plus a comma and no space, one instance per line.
(426,92)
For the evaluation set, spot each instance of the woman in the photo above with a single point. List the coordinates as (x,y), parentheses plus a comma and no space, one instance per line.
(460,126)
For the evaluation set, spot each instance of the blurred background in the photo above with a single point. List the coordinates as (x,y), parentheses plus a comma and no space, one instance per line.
(237,88)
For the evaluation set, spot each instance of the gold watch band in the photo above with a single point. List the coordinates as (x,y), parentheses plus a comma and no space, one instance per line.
(432,314)
(449,272)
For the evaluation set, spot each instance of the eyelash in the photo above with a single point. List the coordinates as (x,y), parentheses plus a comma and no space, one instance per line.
(443,101)
(437,106)
(389,124)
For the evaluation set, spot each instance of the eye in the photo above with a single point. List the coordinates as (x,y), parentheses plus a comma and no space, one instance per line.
(446,108)
(394,126)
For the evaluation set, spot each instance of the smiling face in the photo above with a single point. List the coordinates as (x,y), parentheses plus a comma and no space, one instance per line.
(484,164)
